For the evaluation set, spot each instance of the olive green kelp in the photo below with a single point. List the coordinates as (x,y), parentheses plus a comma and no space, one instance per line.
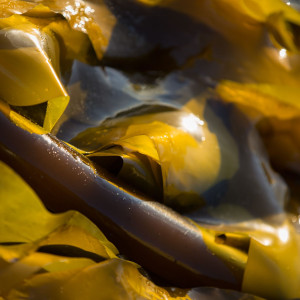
(191,87)
(24,47)
(175,154)
(34,47)
(66,256)
(60,256)
(151,149)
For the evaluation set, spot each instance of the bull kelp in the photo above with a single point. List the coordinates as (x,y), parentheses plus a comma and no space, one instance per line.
(149,149)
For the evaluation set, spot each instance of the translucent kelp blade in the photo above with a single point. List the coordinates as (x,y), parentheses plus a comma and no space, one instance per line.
(27,75)
(276,111)
(92,19)
(112,26)
(272,268)
(267,100)
(61,256)
(269,55)
(73,44)
(188,153)
(218,35)
(233,253)
(65,180)
(80,15)
(221,12)
(197,152)
(273,264)
(73,41)
(13,274)
(112,279)
(35,223)
(9,7)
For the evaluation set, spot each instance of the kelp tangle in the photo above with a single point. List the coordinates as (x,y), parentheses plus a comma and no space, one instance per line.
(149,149)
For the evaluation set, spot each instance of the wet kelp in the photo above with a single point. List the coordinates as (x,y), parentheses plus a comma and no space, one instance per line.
(169,104)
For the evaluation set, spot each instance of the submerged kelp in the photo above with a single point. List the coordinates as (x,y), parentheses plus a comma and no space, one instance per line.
(183,105)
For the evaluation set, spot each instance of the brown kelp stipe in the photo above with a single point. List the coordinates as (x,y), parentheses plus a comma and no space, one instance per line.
(151,234)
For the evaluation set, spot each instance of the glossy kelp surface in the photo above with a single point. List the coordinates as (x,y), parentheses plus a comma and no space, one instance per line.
(105,203)
(168,103)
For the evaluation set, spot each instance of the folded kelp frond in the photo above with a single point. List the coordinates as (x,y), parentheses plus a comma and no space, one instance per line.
(268,254)
(29,72)
(61,256)
(257,234)
(177,147)
(42,253)
(35,50)
(236,60)
(127,31)
(241,247)
(94,20)
(190,155)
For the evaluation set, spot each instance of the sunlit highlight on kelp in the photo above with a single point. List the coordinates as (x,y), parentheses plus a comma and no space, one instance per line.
(192,104)
(182,153)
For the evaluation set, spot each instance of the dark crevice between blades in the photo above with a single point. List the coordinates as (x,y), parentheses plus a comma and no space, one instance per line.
(125,174)
(34,113)
(12,243)
(70,251)
(113,164)
(234,240)
(146,232)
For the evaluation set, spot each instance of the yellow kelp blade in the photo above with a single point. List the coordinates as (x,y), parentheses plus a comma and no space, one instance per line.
(93,19)
(36,224)
(224,15)
(25,64)
(111,279)
(180,142)
(12,275)
(276,111)
(41,267)
(9,7)
(270,54)
(27,75)
(268,100)
(273,268)
(74,44)
(267,254)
